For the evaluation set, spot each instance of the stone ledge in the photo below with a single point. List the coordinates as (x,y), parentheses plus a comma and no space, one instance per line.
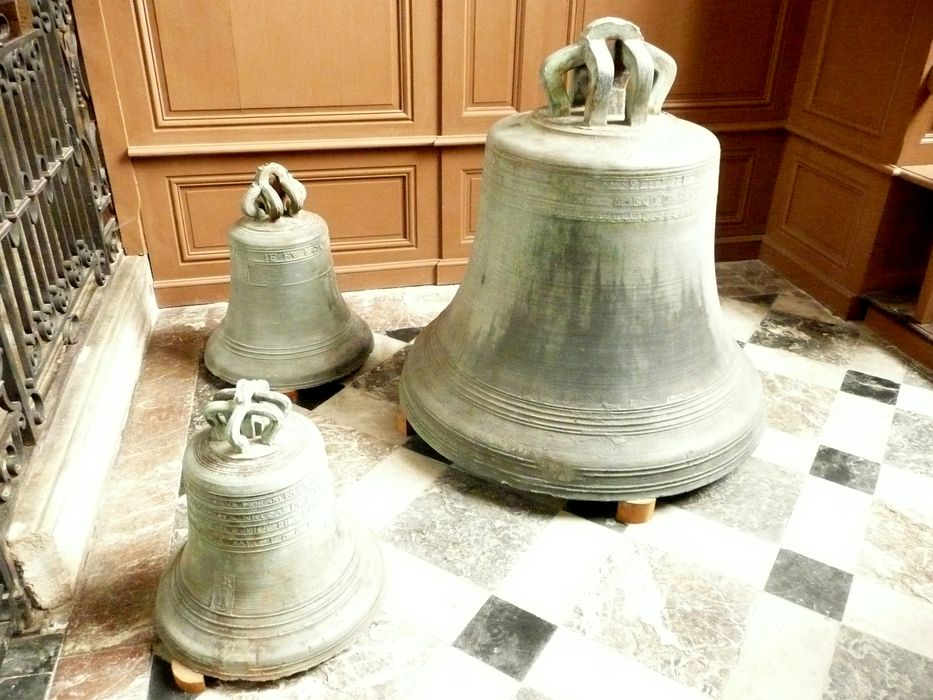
(53,515)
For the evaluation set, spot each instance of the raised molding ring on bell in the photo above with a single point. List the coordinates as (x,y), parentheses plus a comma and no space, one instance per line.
(286,321)
(271,579)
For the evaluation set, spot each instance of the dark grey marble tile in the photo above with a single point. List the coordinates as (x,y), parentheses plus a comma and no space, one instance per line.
(910,442)
(506,637)
(678,619)
(314,396)
(32,687)
(382,380)
(416,444)
(870,386)
(746,278)
(758,498)
(845,469)
(406,335)
(469,527)
(867,667)
(817,340)
(765,300)
(31,655)
(810,583)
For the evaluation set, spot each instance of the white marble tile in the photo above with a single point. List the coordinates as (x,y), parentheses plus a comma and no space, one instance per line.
(356,409)
(871,357)
(387,489)
(918,375)
(890,615)
(742,317)
(897,549)
(546,579)
(455,675)
(905,490)
(428,598)
(707,544)
(426,303)
(572,667)
(916,399)
(792,452)
(383,348)
(858,425)
(788,364)
(828,523)
(787,653)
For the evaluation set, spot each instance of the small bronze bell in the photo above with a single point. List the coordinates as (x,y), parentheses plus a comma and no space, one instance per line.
(286,321)
(585,354)
(270,581)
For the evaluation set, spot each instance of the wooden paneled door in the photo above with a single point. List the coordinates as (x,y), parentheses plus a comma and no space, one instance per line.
(381,107)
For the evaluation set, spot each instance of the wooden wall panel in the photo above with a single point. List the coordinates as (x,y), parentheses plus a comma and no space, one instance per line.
(746,182)
(218,75)
(461,183)
(918,142)
(824,220)
(493,50)
(380,208)
(864,69)
(735,62)
(387,102)
(241,73)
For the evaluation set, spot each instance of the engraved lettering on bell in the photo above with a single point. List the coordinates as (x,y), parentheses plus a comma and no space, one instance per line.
(271,581)
(280,262)
(585,354)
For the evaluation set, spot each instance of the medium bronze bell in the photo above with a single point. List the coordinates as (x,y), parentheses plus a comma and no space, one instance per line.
(585,354)
(286,322)
(270,581)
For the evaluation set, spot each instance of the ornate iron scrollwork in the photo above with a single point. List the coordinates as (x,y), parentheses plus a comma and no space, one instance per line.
(57,227)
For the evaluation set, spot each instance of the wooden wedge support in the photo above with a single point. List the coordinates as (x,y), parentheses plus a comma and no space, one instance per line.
(292,395)
(402,424)
(635,512)
(187,680)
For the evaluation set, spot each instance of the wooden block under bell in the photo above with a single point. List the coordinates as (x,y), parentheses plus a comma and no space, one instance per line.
(402,424)
(187,680)
(635,512)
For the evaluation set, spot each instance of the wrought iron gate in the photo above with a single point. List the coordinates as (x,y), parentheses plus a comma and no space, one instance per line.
(58,237)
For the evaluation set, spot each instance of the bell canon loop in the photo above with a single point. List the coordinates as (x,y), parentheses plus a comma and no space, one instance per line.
(271,580)
(286,321)
(585,354)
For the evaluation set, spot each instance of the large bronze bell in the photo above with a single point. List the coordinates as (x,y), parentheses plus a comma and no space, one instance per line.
(286,322)
(270,581)
(585,354)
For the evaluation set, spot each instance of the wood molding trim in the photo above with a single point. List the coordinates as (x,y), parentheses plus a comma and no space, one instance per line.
(854,156)
(903,338)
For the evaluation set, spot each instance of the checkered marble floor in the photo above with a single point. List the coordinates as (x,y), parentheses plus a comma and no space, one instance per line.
(807,573)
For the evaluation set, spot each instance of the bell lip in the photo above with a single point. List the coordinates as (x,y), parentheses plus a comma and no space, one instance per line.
(310,380)
(679,471)
(369,554)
